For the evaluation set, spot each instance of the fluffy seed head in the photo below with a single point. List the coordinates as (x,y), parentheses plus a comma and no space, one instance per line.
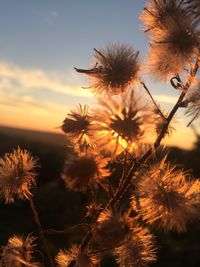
(174,35)
(179,47)
(17,175)
(193,101)
(138,251)
(93,209)
(116,68)
(157,14)
(18,252)
(112,228)
(74,255)
(77,126)
(84,171)
(194,8)
(168,197)
(121,122)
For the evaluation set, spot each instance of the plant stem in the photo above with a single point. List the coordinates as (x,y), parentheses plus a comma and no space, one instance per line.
(152,99)
(40,232)
(61,232)
(137,165)
(163,131)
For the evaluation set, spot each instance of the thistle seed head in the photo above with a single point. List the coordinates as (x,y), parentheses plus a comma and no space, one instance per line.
(112,228)
(74,255)
(84,171)
(19,252)
(121,122)
(168,197)
(77,126)
(17,175)
(139,250)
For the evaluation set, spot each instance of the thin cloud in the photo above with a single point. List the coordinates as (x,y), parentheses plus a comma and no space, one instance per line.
(166,99)
(12,75)
(26,103)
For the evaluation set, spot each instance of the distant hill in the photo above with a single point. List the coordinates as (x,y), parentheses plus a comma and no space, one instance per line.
(31,135)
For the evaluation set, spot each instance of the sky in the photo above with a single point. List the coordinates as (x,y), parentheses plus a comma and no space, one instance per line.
(41,43)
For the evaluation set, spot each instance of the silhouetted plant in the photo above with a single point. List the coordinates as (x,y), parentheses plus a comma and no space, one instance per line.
(117,131)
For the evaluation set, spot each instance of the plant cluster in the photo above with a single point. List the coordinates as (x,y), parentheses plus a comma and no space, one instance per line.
(118,131)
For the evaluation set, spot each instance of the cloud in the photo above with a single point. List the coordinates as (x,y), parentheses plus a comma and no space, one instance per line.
(15,76)
(54,14)
(24,112)
(27,104)
(12,76)
(166,99)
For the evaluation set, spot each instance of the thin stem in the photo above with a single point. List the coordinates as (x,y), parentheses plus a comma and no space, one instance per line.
(154,102)
(93,252)
(40,232)
(143,159)
(89,71)
(135,167)
(60,232)
(124,173)
(163,131)
(138,164)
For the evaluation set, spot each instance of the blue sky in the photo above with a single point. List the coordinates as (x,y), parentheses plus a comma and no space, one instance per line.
(57,34)
(42,40)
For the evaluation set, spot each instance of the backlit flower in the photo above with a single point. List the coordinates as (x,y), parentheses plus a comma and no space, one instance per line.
(157,14)
(111,229)
(17,175)
(18,252)
(74,255)
(121,122)
(194,7)
(179,49)
(193,101)
(116,68)
(168,197)
(174,35)
(84,171)
(77,126)
(138,251)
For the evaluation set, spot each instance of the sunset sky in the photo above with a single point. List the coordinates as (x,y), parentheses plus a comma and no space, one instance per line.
(42,40)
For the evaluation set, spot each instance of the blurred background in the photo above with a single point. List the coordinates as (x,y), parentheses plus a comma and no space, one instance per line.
(41,42)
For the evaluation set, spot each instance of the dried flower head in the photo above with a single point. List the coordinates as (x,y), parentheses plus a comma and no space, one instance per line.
(193,101)
(121,122)
(138,251)
(18,252)
(84,171)
(194,8)
(74,255)
(116,68)
(111,229)
(179,54)
(17,175)
(157,14)
(77,126)
(168,196)
(174,36)
(93,209)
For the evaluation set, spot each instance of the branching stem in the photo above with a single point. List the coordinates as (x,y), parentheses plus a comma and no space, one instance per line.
(154,102)
(61,232)
(40,232)
(138,164)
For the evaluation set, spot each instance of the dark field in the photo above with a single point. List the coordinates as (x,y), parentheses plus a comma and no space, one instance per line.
(60,209)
